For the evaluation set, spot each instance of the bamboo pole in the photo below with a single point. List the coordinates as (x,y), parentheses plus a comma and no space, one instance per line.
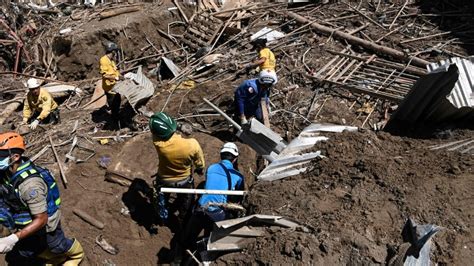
(361,42)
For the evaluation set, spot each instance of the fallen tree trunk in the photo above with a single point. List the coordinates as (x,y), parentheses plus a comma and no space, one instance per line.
(118,11)
(361,42)
(86,217)
(9,109)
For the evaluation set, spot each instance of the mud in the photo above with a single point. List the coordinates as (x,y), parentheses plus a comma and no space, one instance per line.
(357,199)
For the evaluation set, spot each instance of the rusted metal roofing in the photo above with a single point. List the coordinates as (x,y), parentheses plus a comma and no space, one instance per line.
(462,94)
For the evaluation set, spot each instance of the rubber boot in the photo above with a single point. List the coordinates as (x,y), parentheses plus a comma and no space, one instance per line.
(74,255)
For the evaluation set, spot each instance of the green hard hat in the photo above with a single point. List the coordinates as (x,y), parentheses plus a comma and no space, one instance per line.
(162,125)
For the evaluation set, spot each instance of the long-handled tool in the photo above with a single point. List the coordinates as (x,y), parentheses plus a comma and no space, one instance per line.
(262,139)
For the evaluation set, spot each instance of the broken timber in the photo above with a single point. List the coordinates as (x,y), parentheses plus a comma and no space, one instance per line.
(202,31)
(361,42)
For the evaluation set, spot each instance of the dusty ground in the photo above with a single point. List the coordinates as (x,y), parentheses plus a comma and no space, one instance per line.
(358,198)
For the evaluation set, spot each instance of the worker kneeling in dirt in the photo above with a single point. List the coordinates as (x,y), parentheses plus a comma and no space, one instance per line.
(39,106)
(266,59)
(212,208)
(110,75)
(31,196)
(248,97)
(176,157)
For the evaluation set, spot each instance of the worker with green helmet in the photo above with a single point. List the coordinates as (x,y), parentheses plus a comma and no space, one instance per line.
(177,156)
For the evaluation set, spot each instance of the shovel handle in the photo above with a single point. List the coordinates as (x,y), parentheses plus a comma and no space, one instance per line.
(228,118)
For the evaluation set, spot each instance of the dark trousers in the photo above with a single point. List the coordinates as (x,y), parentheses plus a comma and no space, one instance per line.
(250,110)
(114,101)
(182,202)
(201,220)
(26,251)
(53,117)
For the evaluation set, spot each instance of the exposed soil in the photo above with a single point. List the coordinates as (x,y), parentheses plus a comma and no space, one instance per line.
(354,202)
(358,198)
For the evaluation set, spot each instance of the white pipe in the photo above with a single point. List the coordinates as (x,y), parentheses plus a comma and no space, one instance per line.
(202,191)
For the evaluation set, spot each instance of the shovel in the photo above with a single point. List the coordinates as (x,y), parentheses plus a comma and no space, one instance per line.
(261,138)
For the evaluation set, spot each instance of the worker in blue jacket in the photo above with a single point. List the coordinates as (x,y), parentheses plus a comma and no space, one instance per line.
(249,95)
(220,176)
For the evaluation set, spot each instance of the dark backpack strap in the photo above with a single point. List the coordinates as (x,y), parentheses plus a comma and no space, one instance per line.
(227,172)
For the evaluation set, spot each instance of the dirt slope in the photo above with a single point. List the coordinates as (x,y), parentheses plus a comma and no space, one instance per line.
(358,198)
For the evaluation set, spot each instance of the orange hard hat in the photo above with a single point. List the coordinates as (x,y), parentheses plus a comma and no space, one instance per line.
(11,140)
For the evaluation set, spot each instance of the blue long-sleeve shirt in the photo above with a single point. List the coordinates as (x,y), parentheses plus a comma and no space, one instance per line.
(216,179)
(248,96)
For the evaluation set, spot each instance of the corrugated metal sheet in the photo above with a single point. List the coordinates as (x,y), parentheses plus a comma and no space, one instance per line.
(427,106)
(291,161)
(462,146)
(462,94)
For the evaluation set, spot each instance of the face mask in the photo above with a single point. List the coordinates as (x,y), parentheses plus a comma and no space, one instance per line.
(4,164)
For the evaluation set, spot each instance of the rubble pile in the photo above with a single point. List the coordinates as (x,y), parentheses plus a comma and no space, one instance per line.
(347,63)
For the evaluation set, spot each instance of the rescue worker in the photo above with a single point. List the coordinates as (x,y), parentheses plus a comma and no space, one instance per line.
(248,95)
(176,156)
(39,106)
(110,75)
(266,59)
(209,209)
(31,196)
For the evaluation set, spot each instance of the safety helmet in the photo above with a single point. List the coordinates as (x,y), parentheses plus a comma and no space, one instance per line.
(110,46)
(259,42)
(266,77)
(231,148)
(11,140)
(33,83)
(162,125)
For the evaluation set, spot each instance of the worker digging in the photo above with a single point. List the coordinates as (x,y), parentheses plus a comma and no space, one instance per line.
(252,96)
(266,61)
(236,132)
(39,106)
(210,208)
(30,209)
(178,158)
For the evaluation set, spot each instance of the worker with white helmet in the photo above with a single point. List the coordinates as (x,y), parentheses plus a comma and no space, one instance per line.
(249,94)
(211,208)
(39,106)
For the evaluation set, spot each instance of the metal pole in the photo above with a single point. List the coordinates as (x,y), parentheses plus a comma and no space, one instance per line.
(202,191)
(235,124)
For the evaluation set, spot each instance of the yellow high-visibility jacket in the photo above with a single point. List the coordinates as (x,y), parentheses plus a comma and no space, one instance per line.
(176,157)
(270,62)
(44,104)
(108,67)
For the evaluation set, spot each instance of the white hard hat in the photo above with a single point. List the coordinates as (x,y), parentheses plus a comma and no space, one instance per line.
(33,83)
(231,148)
(266,77)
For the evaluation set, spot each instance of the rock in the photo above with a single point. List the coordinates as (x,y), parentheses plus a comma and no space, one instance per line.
(187,129)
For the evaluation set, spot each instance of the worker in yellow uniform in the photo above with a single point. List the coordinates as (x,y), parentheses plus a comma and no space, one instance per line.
(110,75)
(39,106)
(266,61)
(177,156)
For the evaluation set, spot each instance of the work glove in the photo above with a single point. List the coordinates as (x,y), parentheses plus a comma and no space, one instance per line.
(243,121)
(34,124)
(7,243)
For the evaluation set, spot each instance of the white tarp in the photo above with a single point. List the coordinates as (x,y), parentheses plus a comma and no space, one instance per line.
(267,33)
